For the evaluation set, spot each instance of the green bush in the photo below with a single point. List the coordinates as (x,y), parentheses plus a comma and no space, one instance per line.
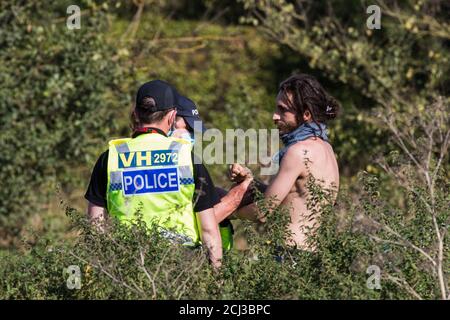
(59,89)
(403,66)
(132,262)
(406,243)
(62,90)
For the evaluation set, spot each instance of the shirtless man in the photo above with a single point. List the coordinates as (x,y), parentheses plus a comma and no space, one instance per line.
(302,108)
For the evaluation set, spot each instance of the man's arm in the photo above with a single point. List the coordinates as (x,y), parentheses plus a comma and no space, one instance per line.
(211,235)
(97,216)
(291,167)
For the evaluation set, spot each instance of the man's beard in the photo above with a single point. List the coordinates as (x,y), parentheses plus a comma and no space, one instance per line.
(284,127)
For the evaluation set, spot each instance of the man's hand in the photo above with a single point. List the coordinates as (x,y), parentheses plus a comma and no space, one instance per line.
(239,173)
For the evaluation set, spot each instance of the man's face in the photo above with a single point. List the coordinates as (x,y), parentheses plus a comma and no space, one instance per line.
(180,123)
(283,117)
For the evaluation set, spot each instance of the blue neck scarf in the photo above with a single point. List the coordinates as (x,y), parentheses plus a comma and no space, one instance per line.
(303,132)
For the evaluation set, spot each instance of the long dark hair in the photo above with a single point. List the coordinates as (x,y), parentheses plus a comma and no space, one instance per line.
(309,95)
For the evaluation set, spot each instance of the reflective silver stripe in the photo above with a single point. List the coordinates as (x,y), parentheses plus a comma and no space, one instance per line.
(176,237)
(175,146)
(115,177)
(185,172)
(123,147)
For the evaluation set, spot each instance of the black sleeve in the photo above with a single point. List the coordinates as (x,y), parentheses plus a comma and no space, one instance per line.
(205,196)
(96,191)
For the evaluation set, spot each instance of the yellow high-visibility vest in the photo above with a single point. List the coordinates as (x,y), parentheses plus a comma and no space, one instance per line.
(153,175)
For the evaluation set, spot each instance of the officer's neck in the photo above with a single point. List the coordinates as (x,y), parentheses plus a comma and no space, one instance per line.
(163,127)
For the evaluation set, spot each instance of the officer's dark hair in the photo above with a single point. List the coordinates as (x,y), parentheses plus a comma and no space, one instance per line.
(309,95)
(143,114)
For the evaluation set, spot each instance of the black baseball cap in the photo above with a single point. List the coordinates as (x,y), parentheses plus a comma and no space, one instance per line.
(165,95)
(186,108)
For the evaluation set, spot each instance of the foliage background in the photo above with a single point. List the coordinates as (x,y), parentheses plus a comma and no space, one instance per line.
(65,93)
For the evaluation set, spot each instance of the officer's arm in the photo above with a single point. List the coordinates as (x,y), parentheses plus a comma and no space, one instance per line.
(211,235)
(231,201)
(96,216)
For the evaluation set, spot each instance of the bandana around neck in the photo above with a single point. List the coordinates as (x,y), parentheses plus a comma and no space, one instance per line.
(303,132)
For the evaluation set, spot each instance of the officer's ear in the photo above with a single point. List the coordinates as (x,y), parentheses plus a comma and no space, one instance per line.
(172,116)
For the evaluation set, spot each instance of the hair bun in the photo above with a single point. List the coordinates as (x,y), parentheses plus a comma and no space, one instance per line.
(148,104)
(332,108)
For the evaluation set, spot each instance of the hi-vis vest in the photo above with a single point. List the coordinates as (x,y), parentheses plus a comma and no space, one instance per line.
(226,234)
(153,174)
(226,231)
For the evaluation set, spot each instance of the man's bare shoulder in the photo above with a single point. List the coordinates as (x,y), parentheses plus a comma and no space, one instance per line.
(302,150)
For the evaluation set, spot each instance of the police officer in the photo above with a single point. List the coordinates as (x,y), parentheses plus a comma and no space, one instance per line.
(188,120)
(156,174)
